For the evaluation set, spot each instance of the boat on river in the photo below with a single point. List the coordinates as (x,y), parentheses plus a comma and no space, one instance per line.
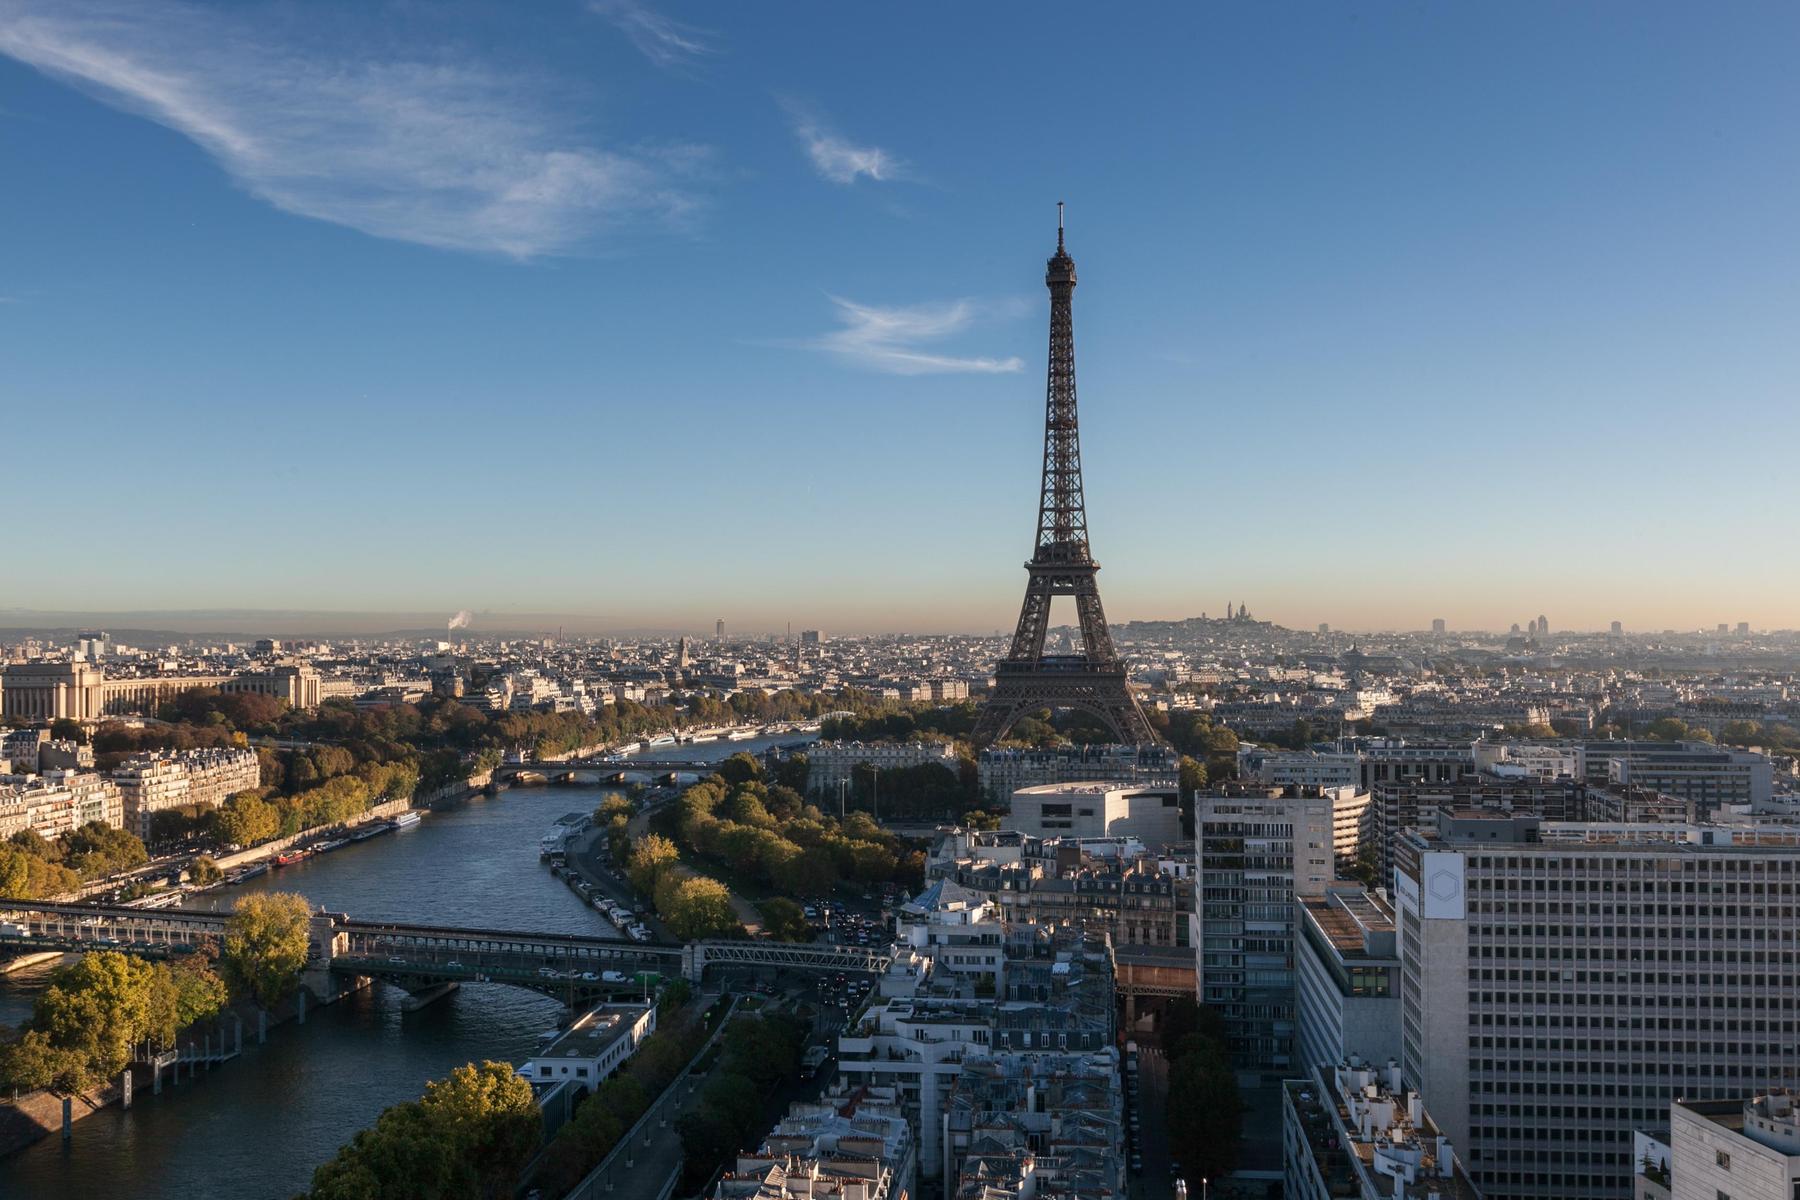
(407,819)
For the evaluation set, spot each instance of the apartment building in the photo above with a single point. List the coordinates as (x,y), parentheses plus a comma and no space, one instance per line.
(1561,983)
(150,783)
(833,764)
(1297,768)
(1005,771)
(1712,776)
(1355,1133)
(1135,896)
(1045,1125)
(956,992)
(55,802)
(1399,805)
(850,1145)
(1256,851)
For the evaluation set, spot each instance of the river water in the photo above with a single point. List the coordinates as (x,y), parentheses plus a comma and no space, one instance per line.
(255,1128)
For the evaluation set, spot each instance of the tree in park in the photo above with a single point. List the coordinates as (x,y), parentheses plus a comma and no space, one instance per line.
(204,871)
(265,946)
(650,856)
(97,849)
(785,920)
(247,820)
(695,907)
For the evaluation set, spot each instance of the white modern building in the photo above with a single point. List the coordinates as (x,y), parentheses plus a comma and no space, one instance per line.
(590,1050)
(1098,809)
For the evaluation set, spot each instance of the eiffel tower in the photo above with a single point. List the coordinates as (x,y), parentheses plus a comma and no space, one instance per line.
(1027,679)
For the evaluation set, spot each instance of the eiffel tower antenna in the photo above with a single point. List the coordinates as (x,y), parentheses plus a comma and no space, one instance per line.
(1027,679)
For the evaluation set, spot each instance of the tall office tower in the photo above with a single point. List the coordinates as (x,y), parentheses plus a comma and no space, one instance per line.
(681,654)
(1561,983)
(1618,628)
(1091,681)
(719,629)
(1437,626)
(1324,628)
(1543,625)
(1743,629)
(1256,850)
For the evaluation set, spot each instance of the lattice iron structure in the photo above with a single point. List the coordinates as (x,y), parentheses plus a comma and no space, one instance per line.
(1061,564)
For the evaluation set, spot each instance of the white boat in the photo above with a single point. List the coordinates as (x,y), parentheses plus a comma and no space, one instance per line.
(740,735)
(407,819)
(662,739)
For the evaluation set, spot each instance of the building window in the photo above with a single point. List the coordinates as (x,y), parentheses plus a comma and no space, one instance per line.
(1724,1161)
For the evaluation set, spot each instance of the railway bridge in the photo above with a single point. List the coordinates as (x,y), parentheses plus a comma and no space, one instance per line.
(572,967)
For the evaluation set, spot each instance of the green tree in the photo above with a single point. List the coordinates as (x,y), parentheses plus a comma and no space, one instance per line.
(398,1158)
(486,1115)
(1192,776)
(266,941)
(204,871)
(695,907)
(740,768)
(32,1063)
(1205,1111)
(200,994)
(98,1009)
(246,819)
(651,855)
(97,849)
(785,920)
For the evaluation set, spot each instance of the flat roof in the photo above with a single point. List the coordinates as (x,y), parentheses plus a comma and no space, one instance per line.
(593,1033)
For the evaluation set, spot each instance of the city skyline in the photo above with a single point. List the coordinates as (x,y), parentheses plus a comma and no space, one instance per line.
(1366,355)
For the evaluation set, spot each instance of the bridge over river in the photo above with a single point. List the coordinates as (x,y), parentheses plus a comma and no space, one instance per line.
(571,967)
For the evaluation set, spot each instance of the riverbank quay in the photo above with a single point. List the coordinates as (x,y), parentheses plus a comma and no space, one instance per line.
(34,1116)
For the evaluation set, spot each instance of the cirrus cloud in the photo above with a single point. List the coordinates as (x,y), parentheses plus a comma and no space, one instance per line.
(888,339)
(438,149)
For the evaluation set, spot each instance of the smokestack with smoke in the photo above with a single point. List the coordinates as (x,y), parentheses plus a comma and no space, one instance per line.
(461,620)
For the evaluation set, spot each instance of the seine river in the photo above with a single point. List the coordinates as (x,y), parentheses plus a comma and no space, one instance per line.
(256,1127)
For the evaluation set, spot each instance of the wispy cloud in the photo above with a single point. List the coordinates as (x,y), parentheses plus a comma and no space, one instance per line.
(437,149)
(665,42)
(836,158)
(888,339)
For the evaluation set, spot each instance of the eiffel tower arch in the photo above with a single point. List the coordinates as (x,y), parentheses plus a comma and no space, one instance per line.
(1027,679)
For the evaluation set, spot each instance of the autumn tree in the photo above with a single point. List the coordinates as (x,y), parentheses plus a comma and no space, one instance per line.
(266,941)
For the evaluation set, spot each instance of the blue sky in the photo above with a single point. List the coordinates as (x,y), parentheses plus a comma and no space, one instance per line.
(658,313)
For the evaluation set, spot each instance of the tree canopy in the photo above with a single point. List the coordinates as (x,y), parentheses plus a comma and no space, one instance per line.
(266,941)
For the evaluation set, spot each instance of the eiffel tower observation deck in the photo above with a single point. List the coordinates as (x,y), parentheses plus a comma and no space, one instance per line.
(1028,679)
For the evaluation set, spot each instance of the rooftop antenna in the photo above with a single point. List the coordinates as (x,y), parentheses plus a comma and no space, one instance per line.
(1059,225)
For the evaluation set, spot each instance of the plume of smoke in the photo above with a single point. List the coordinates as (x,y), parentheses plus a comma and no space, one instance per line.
(461,619)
